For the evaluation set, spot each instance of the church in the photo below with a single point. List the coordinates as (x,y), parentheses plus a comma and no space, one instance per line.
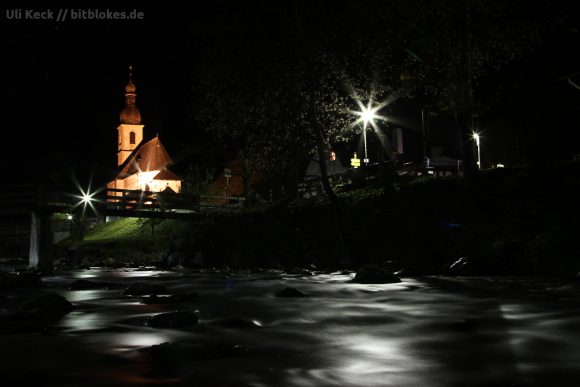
(143,165)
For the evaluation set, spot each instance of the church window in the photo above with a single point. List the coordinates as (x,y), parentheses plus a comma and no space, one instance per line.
(132,138)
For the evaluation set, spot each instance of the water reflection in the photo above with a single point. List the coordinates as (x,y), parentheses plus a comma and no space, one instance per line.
(129,341)
(79,321)
(429,332)
(85,295)
(138,273)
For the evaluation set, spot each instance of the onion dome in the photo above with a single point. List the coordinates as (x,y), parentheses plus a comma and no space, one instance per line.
(130,88)
(130,114)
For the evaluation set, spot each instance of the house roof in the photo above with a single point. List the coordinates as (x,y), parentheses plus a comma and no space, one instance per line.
(148,156)
(332,168)
(443,161)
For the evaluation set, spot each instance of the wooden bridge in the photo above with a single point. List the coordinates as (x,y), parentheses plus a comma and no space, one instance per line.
(39,203)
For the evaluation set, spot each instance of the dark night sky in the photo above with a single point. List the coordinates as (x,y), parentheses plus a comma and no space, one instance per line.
(63,84)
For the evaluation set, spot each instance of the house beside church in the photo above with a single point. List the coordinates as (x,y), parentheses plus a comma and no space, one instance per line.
(144,165)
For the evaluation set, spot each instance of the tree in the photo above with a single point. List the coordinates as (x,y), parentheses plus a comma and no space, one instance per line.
(150,223)
(275,99)
(454,45)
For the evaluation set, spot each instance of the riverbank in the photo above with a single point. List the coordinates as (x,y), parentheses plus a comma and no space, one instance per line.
(510,222)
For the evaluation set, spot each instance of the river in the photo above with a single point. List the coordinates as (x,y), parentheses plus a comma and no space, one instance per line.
(428,331)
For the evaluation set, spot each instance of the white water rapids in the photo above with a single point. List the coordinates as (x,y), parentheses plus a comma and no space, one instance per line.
(431,331)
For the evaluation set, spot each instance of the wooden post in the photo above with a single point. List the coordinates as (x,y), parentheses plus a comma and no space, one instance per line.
(40,252)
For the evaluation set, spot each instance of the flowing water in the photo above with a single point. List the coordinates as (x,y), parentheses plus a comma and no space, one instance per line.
(431,331)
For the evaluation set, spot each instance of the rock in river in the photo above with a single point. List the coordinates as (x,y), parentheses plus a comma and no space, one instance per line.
(25,279)
(140,289)
(370,274)
(290,292)
(47,304)
(173,299)
(236,323)
(177,319)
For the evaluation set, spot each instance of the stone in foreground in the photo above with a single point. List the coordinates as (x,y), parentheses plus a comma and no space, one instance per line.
(140,289)
(370,274)
(290,292)
(47,304)
(177,319)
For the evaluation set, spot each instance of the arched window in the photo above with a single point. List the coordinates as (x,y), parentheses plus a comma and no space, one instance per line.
(132,138)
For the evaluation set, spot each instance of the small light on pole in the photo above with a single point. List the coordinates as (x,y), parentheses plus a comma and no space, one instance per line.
(476,138)
(86,198)
(367,115)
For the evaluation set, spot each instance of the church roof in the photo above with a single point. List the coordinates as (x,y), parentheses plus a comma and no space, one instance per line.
(130,115)
(166,174)
(148,156)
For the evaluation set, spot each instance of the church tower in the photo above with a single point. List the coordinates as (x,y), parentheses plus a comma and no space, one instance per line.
(130,130)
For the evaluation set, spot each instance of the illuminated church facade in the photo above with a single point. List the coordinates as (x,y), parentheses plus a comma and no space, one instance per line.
(143,165)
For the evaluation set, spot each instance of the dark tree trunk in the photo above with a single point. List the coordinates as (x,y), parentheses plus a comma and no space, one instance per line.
(246,175)
(463,106)
(292,176)
(321,147)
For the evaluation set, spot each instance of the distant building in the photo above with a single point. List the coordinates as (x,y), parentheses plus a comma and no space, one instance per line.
(441,165)
(144,165)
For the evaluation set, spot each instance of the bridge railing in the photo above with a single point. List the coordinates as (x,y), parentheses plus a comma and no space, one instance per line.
(24,198)
(167,201)
(148,200)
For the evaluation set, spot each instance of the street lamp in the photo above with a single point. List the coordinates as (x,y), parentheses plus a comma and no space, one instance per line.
(367,114)
(476,138)
(85,198)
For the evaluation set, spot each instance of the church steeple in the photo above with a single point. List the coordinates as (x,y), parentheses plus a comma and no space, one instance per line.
(130,131)
(130,114)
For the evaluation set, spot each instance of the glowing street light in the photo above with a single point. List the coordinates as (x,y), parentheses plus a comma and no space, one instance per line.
(367,114)
(85,198)
(476,138)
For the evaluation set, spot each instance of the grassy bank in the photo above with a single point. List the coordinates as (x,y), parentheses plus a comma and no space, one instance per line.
(124,239)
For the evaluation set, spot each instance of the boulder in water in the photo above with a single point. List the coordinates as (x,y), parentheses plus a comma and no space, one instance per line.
(177,319)
(463,266)
(47,304)
(173,299)
(290,292)
(6,281)
(25,279)
(369,274)
(176,258)
(140,289)
(236,323)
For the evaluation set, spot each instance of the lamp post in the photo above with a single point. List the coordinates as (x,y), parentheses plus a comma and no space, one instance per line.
(476,138)
(366,159)
(367,115)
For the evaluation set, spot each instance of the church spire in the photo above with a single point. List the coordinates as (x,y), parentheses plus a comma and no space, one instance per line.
(130,114)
